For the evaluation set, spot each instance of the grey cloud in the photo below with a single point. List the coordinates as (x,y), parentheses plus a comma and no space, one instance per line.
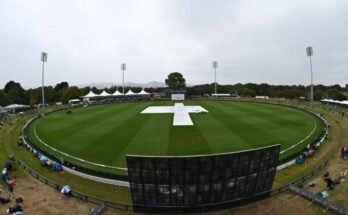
(254,41)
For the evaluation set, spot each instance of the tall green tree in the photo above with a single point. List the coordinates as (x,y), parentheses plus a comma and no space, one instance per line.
(4,99)
(176,81)
(15,92)
(59,90)
(61,86)
(71,93)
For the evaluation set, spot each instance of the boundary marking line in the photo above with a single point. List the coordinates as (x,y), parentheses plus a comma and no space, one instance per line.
(125,169)
(76,158)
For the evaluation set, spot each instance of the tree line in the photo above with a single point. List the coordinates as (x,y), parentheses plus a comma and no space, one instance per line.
(13,92)
(274,91)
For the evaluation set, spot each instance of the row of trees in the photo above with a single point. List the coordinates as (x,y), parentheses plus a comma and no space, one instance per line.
(274,91)
(13,92)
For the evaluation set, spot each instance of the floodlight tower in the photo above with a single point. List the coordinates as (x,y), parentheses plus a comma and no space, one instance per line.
(309,51)
(123,68)
(43,60)
(215,66)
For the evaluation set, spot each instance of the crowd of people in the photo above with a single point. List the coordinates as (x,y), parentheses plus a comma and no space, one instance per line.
(10,183)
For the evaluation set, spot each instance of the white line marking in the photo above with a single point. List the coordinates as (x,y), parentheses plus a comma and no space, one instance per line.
(310,134)
(122,168)
(73,157)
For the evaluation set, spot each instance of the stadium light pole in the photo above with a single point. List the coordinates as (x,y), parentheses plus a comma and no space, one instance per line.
(123,68)
(215,66)
(43,60)
(309,51)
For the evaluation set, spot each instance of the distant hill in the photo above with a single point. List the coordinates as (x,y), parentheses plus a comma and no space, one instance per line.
(102,85)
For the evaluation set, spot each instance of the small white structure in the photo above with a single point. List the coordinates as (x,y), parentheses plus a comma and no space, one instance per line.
(2,109)
(181,112)
(221,94)
(74,102)
(15,107)
(261,97)
(178,97)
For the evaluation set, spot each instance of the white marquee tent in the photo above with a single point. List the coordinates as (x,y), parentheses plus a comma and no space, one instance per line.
(130,93)
(2,109)
(117,93)
(15,106)
(143,92)
(104,93)
(90,95)
(331,101)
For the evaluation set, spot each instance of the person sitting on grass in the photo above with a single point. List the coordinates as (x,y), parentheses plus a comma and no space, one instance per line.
(16,208)
(3,200)
(66,190)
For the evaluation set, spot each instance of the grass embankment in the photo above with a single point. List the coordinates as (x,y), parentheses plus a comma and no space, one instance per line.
(326,151)
(337,165)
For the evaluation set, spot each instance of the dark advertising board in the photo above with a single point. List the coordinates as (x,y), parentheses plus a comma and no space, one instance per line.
(199,183)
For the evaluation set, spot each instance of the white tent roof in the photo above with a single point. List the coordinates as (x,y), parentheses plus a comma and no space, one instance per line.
(331,101)
(2,109)
(104,93)
(15,106)
(143,92)
(130,92)
(90,95)
(117,93)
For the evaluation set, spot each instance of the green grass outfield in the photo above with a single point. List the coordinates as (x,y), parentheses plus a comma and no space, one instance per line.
(106,133)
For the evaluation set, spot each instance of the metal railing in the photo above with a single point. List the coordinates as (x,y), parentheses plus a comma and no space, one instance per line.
(300,180)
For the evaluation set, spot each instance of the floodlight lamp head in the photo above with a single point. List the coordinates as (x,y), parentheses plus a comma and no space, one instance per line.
(215,64)
(43,56)
(123,66)
(309,51)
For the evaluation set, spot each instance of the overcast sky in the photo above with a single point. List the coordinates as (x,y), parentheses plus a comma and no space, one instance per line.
(253,41)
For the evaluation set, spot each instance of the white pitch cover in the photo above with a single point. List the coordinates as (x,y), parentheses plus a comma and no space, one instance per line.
(181,112)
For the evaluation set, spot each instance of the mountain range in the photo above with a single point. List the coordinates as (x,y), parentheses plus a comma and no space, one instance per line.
(102,85)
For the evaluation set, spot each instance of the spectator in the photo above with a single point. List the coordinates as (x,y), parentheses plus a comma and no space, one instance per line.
(10,185)
(17,208)
(4,174)
(9,165)
(3,200)
(329,183)
(66,190)
(342,152)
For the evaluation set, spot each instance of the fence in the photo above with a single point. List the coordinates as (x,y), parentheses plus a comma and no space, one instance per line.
(75,194)
(301,179)
(96,200)
(329,205)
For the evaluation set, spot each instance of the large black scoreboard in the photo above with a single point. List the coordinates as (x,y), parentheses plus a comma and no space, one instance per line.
(202,182)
